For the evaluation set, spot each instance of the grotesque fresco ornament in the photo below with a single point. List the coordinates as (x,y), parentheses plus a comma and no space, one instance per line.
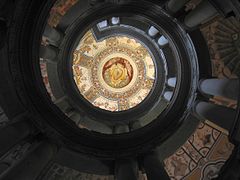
(223,38)
(114,74)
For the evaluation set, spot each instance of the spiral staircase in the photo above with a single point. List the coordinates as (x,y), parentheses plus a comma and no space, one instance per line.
(119,89)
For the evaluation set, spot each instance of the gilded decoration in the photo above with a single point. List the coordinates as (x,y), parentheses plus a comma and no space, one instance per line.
(204,153)
(114,74)
(117,72)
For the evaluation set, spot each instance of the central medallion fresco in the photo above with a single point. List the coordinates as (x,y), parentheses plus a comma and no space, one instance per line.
(117,72)
(114,74)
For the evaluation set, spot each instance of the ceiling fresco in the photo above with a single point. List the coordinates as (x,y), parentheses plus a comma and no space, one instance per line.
(205,152)
(114,74)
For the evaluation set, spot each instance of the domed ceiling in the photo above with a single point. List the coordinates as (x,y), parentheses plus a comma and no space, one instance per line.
(118,81)
(114,74)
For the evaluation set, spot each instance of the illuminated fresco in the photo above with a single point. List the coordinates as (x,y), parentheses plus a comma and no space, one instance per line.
(114,74)
(207,149)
